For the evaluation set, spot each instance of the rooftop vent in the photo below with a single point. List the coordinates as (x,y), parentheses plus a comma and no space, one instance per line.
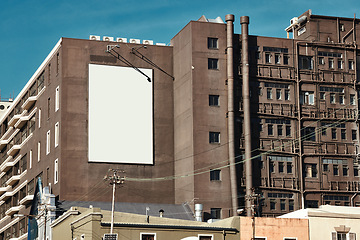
(132,40)
(109,39)
(121,40)
(149,42)
(93,37)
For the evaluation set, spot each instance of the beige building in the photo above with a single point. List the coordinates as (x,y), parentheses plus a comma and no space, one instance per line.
(330,222)
(94,223)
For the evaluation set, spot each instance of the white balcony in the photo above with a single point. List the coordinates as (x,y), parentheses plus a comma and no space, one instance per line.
(14,179)
(16,148)
(5,196)
(23,120)
(15,118)
(31,100)
(2,166)
(13,210)
(26,200)
(4,189)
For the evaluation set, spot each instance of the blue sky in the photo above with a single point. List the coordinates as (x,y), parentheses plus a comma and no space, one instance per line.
(30,28)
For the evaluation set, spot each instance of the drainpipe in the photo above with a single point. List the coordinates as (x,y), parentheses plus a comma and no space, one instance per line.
(244,20)
(231,136)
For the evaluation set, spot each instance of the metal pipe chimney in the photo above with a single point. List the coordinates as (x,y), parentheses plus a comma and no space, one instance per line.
(198,212)
(244,21)
(230,84)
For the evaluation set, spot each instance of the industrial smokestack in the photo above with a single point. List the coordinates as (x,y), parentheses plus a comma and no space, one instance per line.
(244,21)
(230,84)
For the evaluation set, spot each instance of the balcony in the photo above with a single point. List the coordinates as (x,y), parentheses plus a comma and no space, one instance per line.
(6,196)
(2,166)
(26,200)
(15,178)
(23,120)
(4,189)
(15,118)
(4,142)
(16,147)
(13,210)
(31,100)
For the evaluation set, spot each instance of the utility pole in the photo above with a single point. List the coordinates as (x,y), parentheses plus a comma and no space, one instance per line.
(251,199)
(114,179)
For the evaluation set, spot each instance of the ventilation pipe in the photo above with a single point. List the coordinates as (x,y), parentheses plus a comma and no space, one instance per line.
(198,212)
(230,84)
(244,20)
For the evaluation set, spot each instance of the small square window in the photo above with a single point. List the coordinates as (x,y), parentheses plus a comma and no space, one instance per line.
(215,213)
(325,167)
(215,175)
(213,63)
(213,43)
(286,59)
(214,137)
(214,100)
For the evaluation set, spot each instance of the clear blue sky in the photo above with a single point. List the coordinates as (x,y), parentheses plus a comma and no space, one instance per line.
(30,28)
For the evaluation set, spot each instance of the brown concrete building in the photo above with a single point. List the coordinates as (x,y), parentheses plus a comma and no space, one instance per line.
(181,137)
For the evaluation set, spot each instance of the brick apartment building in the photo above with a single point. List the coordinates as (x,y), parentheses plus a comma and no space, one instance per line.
(172,118)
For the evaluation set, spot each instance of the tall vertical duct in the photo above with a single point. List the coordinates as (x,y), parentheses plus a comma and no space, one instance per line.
(244,21)
(198,212)
(230,79)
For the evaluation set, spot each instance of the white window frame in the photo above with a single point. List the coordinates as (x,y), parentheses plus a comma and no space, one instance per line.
(143,233)
(39,152)
(39,117)
(30,158)
(57,98)
(56,171)
(57,134)
(206,235)
(48,142)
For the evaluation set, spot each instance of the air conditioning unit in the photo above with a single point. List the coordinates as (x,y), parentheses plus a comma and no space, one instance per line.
(294,21)
(93,37)
(160,44)
(109,39)
(148,42)
(132,40)
(121,40)
(110,236)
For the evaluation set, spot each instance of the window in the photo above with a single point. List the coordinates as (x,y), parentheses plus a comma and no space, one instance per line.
(332,98)
(215,213)
(331,63)
(214,137)
(214,100)
(57,134)
(322,96)
(57,63)
(288,130)
(48,108)
(270,130)
(336,170)
(353,135)
(277,58)
(311,171)
(30,158)
(305,62)
(205,237)
(148,236)
(343,134)
(333,133)
(57,99)
(56,171)
(267,58)
(287,94)
(352,99)
(282,204)
(271,167)
(213,63)
(307,98)
(321,60)
(215,175)
(49,74)
(325,167)
(39,117)
(341,236)
(345,170)
(281,167)
(342,27)
(340,64)
(286,59)
(356,171)
(269,93)
(341,99)
(279,130)
(48,142)
(289,167)
(38,151)
(291,205)
(278,94)
(351,65)
(212,43)
(272,204)
(308,134)
(311,204)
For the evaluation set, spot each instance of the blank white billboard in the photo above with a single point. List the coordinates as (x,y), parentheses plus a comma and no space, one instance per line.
(120,115)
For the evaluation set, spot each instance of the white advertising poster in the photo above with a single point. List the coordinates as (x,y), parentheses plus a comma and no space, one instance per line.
(120,115)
